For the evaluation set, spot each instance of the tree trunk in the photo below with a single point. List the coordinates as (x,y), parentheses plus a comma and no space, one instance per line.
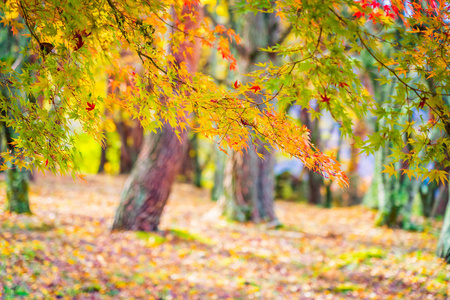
(376,189)
(17,179)
(17,182)
(146,191)
(191,170)
(443,249)
(218,189)
(240,186)
(131,140)
(103,159)
(442,202)
(315,180)
(428,198)
(249,181)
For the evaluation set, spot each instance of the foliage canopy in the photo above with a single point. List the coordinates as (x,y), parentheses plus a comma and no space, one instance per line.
(72,40)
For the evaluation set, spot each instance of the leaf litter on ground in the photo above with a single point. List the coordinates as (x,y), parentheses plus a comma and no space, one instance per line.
(67,251)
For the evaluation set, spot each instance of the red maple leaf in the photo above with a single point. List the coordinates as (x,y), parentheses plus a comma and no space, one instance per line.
(342,84)
(46,163)
(90,106)
(395,9)
(358,14)
(236,84)
(422,103)
(255,88)
(374,4)
(244,122)
(325,98)
(79,41)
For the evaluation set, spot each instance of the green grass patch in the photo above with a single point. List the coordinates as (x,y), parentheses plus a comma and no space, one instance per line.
(28,225)
(153,239)
(347,287)
(191,237)
(14,292)
(350,260)
(361,255)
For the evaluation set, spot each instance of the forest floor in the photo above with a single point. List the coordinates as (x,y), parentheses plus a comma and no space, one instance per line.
(67,251)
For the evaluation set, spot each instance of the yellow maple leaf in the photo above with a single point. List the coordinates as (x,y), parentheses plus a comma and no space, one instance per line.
(389,170)
(409,173)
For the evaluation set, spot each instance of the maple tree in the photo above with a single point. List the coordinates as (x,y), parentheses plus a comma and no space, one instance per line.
(85,35)
(319,67)
(148,188)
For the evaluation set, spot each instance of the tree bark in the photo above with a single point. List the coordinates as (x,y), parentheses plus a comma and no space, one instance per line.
(17,183)
(443,249)
(220,159)
(249,181)
(103,158)
(442,202)
(147,189)
(17,179)
(131,140)
(315,180)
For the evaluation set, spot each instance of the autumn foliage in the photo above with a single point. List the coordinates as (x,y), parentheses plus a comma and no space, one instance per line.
(407,41)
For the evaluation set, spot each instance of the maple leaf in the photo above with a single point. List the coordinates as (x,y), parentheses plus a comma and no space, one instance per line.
(374,4)
(233,65)
(422,103)
(389,170)
(408,172)
(255,88)
(220,29)
(236,84)
(90,106)
(46,163)
(359,14)
(325,98)
(78,41)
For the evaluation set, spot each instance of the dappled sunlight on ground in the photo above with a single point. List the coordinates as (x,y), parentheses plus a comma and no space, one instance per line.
(66,250)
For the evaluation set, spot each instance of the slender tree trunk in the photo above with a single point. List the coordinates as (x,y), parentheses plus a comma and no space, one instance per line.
(443,249)
(376,190)
(131,140)
(315,180)
(428,198)
(266,184)
(353,175)
(191,170)
(17,179)
(147,189)
(240,186)
(442,202)
(218,189)
(103,159)
(17,183)
(249,181)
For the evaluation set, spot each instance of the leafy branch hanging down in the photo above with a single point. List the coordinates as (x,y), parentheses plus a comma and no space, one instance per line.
(407,41)
(72,41)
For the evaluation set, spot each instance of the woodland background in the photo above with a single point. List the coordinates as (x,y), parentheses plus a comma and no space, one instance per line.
(170,215)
